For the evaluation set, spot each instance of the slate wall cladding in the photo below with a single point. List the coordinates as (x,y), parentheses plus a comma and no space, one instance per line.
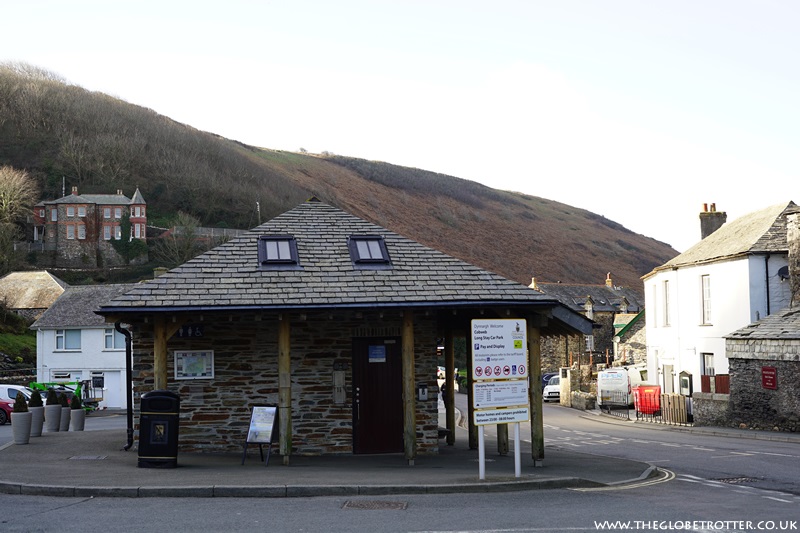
(750,403)
(215,413)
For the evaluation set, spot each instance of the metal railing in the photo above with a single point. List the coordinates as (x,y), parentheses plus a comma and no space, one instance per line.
(615,403)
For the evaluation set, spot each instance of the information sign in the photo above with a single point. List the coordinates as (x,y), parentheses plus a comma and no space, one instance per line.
(499,349)
(769,377)
(262,429)
(502,416)
(488,394)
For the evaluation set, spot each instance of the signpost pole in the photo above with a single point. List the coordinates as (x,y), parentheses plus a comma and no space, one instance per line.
(517,458)
(481,455)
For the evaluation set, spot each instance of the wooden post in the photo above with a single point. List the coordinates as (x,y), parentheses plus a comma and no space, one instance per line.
(450,383)
(472,429)
(535,373)
(284,388)
(409,389)
(163,329)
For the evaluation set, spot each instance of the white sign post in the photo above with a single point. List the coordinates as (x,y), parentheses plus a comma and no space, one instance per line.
(500,380)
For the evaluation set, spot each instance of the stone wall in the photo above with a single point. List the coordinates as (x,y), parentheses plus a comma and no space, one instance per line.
(710,409)
(633,348)
(215,413)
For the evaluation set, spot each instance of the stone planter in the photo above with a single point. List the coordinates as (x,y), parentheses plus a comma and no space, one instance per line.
(78,419)
(21,426)
(52,417)
(37,420)
(65,417)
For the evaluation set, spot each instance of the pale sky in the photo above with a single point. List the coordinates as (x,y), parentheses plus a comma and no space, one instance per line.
(640,111)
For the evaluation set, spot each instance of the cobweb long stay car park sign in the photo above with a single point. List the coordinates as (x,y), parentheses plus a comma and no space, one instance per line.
(500,371)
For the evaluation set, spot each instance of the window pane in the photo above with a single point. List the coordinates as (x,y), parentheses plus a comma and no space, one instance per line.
(375,249)
(81,232)
(60,339)
(72,339)
(363,249)
(283,250)
(70,232)
(272,250)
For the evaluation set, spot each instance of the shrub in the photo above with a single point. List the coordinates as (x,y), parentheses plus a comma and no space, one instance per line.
(20,404)
(36,399)
(76,402)
(52,397)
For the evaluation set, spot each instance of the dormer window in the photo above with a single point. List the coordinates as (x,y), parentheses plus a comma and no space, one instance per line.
(368,252)
(278,252)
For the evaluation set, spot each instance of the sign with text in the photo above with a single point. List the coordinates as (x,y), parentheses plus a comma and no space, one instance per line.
(262,424)
(501,416)
(489,394)
(769,377)
(499,349)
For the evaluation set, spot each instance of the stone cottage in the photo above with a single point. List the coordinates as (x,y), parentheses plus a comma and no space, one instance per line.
(332,319)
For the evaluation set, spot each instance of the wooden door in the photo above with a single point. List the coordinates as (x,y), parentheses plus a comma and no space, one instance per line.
(377,395)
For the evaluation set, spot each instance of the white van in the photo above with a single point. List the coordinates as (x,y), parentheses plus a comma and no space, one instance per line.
(614,385)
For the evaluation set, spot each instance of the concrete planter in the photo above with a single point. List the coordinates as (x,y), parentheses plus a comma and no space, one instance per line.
(37,420)
(52,417)
(21,426)
(65,417)
(78,419)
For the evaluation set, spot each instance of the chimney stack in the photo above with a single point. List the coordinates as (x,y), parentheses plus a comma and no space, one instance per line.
(609,282)
(75,190)
(711,220)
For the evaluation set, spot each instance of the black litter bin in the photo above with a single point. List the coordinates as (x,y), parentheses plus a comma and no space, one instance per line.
(158,429)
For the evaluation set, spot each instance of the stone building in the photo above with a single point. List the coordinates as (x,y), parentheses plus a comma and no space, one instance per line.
(607,305)
(328,317)
(79,228)
(764,360)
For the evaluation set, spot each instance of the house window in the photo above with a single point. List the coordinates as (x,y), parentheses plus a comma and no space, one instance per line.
(117,232)
(70,231)
(708,364)
(277,252)
(118,212)
(82,211)
(142,211)
(68,339)
(70,211)
(666,303)
(368,251)
(137,231)
(106,212)
(114,339)
(107,233)
(706,289)
(81,231)
(54,214)
(136,211)
(41,213)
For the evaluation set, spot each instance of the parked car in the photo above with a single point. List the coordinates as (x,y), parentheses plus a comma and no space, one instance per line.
(9,392)
(6,406)
(546,377)
(552,391)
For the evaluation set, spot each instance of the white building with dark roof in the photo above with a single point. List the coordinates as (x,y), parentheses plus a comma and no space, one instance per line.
(735,276)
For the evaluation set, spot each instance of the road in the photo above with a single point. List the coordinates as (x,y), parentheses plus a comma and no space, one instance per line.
(711,484)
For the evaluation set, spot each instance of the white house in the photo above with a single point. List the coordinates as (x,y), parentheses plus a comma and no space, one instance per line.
(733,277)
(73,343)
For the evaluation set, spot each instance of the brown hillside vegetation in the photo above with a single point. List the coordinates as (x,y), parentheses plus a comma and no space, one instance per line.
(61,133)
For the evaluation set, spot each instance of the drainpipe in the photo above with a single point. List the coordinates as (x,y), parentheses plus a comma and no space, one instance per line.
(766,279)
(129,379)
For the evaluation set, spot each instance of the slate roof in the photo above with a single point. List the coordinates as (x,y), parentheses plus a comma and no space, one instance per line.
(77,305)
(228,277)
(30,290)
(605,298)
(99,199)
(762,231)
(785,324)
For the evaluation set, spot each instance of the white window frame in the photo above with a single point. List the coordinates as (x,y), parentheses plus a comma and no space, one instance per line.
(136,210)
(705,288)
(117,212)
(113,339)
(82,211)
(666,303)
(66,340)
(54,214)
(71,231)
(70,211)
(81,232)
(107,233)
(106,212)
(137,231)
(117,232)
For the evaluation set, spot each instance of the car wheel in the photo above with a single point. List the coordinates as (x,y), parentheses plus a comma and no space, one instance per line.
(3,417)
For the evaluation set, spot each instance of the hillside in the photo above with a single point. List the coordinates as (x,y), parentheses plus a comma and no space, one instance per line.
(61,133)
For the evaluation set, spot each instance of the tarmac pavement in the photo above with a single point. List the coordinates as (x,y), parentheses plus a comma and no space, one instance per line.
(94,463)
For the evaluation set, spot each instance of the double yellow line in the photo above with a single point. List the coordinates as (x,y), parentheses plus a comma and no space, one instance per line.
(662,477)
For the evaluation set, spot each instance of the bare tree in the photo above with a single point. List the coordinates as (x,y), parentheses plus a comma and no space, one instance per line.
(18,193)
(181,243)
